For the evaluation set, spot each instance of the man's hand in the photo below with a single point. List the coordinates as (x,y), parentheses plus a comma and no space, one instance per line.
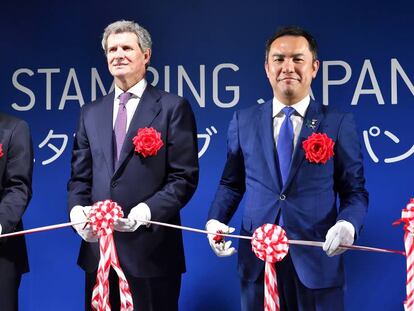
(80,214)
(220,248)
(137,217)
(342,232)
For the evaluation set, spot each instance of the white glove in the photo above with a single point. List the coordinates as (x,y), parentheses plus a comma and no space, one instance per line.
(222,248)
(1,229)
(80,214)
(342,232)
(137,217)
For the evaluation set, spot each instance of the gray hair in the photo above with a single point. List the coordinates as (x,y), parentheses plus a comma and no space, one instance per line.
(144,38)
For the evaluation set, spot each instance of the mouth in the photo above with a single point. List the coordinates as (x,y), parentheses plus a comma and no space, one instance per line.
(288,79)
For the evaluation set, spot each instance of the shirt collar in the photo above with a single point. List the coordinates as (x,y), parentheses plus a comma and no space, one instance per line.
(300,106)
(137,90)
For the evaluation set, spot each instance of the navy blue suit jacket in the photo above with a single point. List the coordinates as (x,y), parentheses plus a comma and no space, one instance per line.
(165,182)
(307,201)
(16,167)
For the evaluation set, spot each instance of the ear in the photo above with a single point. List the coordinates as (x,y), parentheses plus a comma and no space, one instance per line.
(147,56)
(315,66)
(266,67)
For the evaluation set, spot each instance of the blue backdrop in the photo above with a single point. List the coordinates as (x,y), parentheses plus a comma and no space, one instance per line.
(212,53)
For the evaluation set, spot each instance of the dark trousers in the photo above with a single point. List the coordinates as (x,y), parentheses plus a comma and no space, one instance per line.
(148,294)
(9,286)
(294,296)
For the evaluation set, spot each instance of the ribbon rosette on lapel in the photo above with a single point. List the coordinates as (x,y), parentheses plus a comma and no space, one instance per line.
(318,148)
(1,150)
(147,141)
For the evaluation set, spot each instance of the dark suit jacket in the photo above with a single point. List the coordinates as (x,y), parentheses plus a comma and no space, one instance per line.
(16,167)
(165,181)
(308,200)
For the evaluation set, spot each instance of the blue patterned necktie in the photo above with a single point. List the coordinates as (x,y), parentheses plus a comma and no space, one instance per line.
(285,143)
(120,124)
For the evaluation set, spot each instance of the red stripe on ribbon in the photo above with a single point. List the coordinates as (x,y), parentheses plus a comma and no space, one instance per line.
(102,217)
(407,217)
(270,244)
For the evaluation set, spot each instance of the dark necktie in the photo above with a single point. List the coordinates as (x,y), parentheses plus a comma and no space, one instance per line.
(121,123)
(285,143)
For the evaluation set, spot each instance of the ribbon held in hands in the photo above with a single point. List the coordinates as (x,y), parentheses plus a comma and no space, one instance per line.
(270,244)
(407,217)
(102,217)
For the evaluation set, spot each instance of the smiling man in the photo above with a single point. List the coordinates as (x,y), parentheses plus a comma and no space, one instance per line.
(293,159)
(150,184)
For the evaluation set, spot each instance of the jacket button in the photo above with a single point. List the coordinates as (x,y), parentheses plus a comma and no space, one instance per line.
(114,184)
(282,197)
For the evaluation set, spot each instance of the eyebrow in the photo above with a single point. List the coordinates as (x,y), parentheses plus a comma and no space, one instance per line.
(283,55)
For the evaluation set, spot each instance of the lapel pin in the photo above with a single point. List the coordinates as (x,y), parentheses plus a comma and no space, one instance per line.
(312,123)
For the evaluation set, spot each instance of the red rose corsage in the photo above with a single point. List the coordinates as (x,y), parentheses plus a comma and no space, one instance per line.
(318,148)
(147,142)
(1,150)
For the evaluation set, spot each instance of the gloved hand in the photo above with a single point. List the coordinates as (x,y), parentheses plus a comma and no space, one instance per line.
(1,229)
(342,232)
(137,217)
(222,248)
(78,214)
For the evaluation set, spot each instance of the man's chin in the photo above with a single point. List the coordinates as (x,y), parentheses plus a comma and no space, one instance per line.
(119,74)
(288,92)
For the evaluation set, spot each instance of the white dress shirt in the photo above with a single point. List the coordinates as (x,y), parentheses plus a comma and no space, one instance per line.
(297,117)
(137,90)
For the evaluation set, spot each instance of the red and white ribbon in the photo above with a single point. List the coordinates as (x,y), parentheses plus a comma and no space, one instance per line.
(112,258)
(407,217)
(270,244)
(102,217)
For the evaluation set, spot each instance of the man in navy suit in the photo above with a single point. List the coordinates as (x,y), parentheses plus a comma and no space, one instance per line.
(16,167)
(147,187)
(316,201)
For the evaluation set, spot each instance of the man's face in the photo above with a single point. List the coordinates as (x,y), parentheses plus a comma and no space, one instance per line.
(126,61)
(290,68)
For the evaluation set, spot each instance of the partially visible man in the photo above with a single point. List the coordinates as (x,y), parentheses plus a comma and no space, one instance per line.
(138,147)
(293,159)
(16,168)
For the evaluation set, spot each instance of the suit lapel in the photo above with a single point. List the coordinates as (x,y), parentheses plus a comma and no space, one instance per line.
(268,144)
(311,122)
(104,129)
(148,108)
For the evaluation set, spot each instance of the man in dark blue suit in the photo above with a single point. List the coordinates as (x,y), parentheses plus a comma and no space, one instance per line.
(312,198)
(16,167)
(147,187)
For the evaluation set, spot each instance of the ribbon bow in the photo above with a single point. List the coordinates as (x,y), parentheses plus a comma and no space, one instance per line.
(270,244)
(102,217)
(407,217)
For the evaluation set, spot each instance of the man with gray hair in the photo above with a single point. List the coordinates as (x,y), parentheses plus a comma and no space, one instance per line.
(150,183)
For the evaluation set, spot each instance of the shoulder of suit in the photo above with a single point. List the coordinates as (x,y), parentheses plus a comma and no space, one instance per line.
(333,115)
(9,121)
(98,102)
(330,110)
(334,112)
(252,110)
(161,94)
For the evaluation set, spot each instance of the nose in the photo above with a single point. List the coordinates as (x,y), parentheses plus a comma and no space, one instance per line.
(288,65)
(119,53)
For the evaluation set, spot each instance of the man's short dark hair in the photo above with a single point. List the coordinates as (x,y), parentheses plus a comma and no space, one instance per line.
(295,31)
